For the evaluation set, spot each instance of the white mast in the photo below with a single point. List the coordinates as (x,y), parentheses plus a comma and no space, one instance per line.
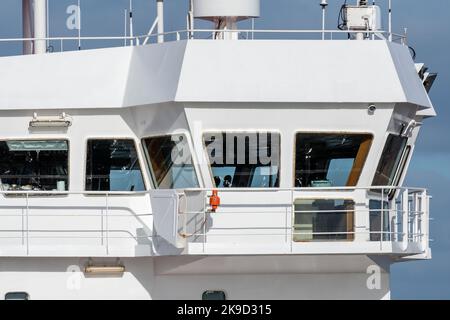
(160,13)
(26,27)
(324,5)
(40,26)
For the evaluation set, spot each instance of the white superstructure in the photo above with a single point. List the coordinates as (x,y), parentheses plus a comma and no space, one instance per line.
(211,163)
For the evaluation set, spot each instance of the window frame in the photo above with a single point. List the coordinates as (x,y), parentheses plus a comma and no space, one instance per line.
(237,131)
(294,152)
(138,153)
(149,166)
(350,216)
(399,171)
(37,193)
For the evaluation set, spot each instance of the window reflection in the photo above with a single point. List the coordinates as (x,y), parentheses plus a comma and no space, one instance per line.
(244,160)
(113,165)
(171,162)
(390,160)
(34,165)
(330,160)
(323,220)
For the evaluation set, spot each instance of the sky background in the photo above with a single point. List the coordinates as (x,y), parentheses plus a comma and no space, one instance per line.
(428,26)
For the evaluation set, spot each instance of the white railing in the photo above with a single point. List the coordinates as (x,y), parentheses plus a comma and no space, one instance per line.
(246,216)
(60,44)
(405,209)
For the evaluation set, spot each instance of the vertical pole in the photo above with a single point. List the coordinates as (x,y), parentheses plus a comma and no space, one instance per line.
(390,20)
(27,30)
(47,23)
(27,225)
(253,28)
(131,23)
(324,5)
(106,224)
(40,27)
(191,19)
(79,24)
(125,30)
(160,13)
(405,222)
(382,220)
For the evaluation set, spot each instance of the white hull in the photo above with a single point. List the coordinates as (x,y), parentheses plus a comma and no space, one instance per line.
(188,277)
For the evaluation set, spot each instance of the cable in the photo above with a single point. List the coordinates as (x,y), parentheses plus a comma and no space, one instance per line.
(413,53)
(342,22)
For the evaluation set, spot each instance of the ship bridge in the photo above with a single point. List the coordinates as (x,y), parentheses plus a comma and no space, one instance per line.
(216,141)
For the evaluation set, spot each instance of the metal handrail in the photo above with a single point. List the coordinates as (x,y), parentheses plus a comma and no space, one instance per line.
(187,35)
(412,212)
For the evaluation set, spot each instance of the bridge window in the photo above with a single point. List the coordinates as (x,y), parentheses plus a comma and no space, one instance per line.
(34,165)
(244,160)
(171,162)
(391,159)
(113,165)
(330,160)
(323,220)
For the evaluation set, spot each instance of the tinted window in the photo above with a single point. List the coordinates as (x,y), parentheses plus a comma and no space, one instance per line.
(113,165)
(329,160)
(323,220)
(171,162)
(390,160)
(34,165)
(244,160)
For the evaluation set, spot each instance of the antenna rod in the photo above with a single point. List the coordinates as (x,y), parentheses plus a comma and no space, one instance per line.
(160,13)
(390,20)
(79,24)
(131,23)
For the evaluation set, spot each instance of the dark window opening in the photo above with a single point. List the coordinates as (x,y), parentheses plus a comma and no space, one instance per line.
(330,160)
(17,296)
(390,160)
(113,165)
(171,162)
(213,295)
(34,165)
(244,160)
(323,220)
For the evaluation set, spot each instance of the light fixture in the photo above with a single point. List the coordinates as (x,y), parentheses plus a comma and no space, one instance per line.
(61,121)
(116,268)
(104,269)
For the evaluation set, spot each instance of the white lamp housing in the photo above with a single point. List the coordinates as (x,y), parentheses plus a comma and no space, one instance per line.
(214,9)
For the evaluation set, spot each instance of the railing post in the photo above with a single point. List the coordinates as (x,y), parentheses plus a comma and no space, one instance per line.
(425,218)
(292,219)
(204,222)
(417,211)
(405,216)
(27,225)
(382,220)
(106,224)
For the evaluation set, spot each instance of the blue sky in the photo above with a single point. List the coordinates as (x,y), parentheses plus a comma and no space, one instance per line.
(428,26)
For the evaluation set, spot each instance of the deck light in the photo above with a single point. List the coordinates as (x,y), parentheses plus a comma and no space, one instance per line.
(61,121)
